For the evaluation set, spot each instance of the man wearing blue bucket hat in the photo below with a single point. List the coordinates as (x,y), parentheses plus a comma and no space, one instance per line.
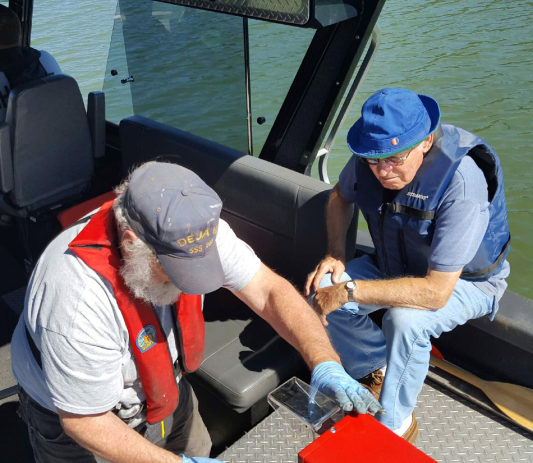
(432,195)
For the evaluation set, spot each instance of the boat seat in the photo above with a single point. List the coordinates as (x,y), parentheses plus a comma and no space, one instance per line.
(70,215)
(280,214)
(48,143)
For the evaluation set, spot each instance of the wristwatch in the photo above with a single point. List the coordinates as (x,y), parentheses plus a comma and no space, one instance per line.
(350,287)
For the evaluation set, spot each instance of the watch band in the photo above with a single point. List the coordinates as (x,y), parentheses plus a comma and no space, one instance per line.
(350,288)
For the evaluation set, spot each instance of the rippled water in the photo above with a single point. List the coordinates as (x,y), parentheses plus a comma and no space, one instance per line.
(474,57)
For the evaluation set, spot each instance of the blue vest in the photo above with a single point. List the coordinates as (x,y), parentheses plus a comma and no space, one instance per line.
(21,64)
(402,230)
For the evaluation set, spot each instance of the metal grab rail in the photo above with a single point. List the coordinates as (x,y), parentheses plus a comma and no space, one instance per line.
(323,153)
(8,392)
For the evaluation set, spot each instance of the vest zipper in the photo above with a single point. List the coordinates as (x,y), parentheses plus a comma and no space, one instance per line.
(384,207)
(403,253)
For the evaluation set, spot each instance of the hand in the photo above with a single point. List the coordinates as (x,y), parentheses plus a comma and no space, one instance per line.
(329,264)
(186,459)
(328,299)
(331,379)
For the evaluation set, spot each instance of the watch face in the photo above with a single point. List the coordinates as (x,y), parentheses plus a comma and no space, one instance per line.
(350,285)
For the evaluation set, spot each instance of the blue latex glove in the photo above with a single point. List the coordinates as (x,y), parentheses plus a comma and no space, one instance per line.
(331,379)
(187,459)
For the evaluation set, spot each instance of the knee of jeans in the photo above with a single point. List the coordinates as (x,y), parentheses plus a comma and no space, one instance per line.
(402,321)
(326,281)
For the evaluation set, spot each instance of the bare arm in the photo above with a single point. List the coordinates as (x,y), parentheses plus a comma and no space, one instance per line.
(108,437)
(339,213)
(277,301)
(427,293)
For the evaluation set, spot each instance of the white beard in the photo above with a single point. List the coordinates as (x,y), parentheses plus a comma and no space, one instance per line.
(138,276)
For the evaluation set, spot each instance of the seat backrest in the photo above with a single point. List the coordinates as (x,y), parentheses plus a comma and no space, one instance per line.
(52,156)
(281,215)
(278,212)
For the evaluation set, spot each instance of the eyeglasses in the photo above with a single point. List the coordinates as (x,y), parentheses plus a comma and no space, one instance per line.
(392,161)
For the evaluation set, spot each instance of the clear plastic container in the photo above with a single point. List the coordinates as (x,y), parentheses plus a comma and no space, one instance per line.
(312,407)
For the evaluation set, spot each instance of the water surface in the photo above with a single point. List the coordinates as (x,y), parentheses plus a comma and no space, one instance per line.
(474,57)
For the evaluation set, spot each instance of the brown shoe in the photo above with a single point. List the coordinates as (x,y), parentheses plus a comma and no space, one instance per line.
(373,382)
(412,431)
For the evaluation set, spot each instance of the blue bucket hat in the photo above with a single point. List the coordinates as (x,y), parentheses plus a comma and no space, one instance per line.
(393,120)
(170,208)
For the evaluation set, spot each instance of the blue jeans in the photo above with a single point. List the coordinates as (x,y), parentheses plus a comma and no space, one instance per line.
(403,343)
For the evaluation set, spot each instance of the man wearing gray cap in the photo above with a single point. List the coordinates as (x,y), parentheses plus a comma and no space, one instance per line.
(433,198)
(115,297)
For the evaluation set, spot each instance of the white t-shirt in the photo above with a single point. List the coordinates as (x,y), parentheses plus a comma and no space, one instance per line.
(87,363)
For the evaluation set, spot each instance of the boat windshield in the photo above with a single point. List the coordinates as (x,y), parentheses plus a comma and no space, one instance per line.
(179,66)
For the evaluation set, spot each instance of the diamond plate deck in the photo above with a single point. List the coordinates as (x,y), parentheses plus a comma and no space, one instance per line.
(451,429)
(276,439)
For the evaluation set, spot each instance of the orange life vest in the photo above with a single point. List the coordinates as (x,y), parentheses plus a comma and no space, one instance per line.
(97,246)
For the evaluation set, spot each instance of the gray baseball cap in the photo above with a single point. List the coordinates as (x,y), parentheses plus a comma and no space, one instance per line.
(176,213)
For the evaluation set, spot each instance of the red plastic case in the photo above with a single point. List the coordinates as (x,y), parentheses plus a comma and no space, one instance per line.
(361,439)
